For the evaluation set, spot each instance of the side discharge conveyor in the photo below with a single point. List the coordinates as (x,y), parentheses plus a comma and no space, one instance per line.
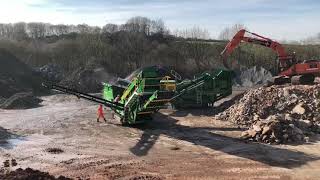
(89,97)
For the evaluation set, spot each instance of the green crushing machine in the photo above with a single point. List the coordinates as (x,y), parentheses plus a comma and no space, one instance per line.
(150,89)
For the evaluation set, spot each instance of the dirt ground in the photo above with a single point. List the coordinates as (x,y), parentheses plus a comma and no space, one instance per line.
(62,137)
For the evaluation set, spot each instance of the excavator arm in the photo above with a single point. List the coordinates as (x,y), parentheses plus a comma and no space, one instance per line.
(284,59)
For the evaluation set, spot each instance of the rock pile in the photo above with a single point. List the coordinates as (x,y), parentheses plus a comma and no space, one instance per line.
(23,100)
(29,174)
(277,114)
(16,78)
(83,80)
(252,77)
(51,72)
(275,129)
(88,79)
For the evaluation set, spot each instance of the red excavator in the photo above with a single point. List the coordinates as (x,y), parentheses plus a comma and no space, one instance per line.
(289,68)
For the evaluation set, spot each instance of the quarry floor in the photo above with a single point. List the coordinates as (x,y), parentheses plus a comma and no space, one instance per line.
(188,144)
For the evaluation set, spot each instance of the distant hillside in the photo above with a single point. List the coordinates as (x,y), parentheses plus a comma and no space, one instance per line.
(122,48)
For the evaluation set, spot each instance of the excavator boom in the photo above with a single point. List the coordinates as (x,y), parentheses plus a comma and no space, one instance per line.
(234,43)
(299,72)
(255,39)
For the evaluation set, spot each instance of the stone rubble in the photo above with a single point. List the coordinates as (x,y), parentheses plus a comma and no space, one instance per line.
(277,114)
(50,72)
(250,77)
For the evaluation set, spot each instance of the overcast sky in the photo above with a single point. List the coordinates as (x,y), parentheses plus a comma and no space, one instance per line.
(278,19)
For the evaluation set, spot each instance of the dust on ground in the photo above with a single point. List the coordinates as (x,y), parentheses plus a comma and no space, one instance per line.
(176,145)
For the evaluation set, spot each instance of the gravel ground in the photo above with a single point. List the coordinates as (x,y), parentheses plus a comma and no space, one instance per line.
(62,137)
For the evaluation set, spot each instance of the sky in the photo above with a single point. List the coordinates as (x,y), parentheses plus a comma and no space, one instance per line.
(277,19)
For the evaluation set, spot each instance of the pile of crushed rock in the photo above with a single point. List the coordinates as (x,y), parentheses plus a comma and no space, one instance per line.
(29,174)
(277,114)
(23,100)
(87,79)
(250,77)
(16,78)
(50,72)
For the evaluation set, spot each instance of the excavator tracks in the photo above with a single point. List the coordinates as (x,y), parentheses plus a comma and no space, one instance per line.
(306,79)
(303,79)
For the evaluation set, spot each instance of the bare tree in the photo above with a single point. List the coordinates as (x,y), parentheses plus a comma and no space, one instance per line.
(36,29)
(139,24)
(6,30)
(83,28)
(61,29)
(110,28)
(228,32)
(158,26)
(315,39)
(2,30)
(19,31)
(193,33)
(94,29)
